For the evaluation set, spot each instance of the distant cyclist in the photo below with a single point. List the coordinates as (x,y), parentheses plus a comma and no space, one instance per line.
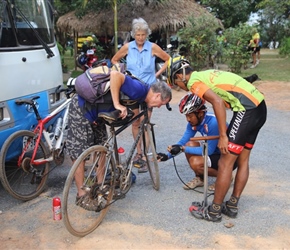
(225,90)
(199,120)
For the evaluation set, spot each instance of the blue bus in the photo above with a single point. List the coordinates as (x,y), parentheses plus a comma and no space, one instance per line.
(30,63)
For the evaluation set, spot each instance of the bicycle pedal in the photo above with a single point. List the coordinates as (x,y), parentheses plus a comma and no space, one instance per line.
(137,165)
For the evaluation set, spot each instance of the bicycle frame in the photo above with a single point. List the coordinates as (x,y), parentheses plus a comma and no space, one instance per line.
(112,143)
(40,130)
(143,113)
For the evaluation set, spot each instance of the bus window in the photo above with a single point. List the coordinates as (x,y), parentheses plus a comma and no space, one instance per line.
(17,24)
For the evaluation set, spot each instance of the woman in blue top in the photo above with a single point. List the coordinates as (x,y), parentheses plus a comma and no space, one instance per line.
(199,120)
(140,59)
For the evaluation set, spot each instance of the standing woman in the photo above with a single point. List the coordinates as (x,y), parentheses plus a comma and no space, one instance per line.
(140,60)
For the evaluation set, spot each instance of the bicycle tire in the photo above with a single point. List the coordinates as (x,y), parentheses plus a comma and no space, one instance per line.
(151,156)
(79,221)
(18,178)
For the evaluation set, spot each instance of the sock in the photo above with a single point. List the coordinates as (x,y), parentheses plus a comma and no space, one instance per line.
(233,202)
(215,209)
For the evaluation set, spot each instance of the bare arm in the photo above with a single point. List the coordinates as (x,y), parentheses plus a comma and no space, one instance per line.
(158,52)
(220,113)
(122,52)
(116,81)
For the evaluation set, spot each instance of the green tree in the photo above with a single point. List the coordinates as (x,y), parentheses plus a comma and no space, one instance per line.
(274,20)
(199,38)
(236,53)
(231,12)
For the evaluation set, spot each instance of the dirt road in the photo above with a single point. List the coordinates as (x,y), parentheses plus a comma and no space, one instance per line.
(147,219)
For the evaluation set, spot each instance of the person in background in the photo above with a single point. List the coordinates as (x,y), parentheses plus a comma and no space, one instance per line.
(225,90)
(221,43)
(255,47)
(205,123)
(140,59)
(87,44)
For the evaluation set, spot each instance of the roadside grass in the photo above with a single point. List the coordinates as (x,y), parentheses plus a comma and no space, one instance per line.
(69,60)
(272,67)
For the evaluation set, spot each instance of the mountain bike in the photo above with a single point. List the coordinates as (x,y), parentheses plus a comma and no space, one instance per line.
(26,155)
(106,178)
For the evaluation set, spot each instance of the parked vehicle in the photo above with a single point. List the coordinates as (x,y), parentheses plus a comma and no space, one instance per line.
(87,60)
(30,64)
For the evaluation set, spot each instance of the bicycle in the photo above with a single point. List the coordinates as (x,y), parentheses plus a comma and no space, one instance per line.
(26,155)
(106,180)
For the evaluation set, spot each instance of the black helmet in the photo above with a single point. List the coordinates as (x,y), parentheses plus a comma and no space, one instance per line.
(174,65)
(191,103)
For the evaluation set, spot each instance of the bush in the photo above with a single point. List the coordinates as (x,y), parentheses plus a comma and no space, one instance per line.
(236,51)
(199,38)
(284,49)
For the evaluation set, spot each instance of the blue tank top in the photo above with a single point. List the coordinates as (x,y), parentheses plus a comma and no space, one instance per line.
(141,63)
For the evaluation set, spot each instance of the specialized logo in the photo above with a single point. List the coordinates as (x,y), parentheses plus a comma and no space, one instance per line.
(236,124)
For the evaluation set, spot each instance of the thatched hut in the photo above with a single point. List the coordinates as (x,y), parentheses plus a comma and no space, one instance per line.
(170,15)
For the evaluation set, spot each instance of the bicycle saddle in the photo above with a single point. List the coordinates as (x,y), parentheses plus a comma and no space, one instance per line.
(112,118)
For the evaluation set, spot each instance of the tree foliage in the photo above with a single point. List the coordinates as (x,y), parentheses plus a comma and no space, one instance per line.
(236,51)
(231,12)
(199,39)
(274,19)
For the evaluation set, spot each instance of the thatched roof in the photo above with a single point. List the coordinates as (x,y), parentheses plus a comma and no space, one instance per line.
(170,15)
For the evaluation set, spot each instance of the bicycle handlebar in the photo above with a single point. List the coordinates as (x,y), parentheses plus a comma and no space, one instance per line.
(68,90)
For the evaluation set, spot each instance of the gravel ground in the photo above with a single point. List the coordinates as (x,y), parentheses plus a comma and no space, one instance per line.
(147,219)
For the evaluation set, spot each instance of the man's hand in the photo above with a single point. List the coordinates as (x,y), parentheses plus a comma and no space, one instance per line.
(174,149)
(162,157)
(123,111)
(223,144)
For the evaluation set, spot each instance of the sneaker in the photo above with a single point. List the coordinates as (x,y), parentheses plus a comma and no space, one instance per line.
(195,182)
(204,213)
(257,62)
(143,168)
(253,66)
(230,211)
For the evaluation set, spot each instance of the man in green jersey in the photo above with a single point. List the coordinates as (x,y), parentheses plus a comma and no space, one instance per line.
(225,90)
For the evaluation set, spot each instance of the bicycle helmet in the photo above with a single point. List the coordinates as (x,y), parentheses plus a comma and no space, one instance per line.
(174,65)
(191,103)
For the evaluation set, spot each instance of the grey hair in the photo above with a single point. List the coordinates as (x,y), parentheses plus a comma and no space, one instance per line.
(163,88)
(140,24)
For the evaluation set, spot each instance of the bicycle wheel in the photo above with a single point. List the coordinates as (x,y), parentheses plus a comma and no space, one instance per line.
(18,176)
(99,183)
(151,156)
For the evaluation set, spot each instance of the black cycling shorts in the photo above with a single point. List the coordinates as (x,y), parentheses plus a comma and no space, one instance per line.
(214,158)
(244,128)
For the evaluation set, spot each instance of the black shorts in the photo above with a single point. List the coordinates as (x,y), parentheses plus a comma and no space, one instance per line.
(244,128)
(255,49)
(214,161)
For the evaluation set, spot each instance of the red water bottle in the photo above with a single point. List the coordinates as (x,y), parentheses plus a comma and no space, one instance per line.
(56,208)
